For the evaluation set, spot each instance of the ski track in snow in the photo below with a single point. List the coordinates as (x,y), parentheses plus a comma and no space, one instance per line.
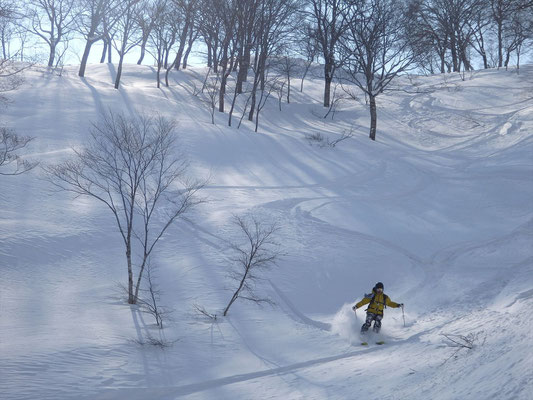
(350,216)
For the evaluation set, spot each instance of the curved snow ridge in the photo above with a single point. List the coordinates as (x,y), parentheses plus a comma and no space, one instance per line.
(297,314)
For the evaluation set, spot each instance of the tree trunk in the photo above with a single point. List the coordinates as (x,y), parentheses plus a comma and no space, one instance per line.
(209,54)
(84,58)
(131,297)
(109,52)
(186,56)
(183,40)
(327,92)
(230,303)
(165,65)
(139,278)
(234,100)
(307,66)
(328,78)
(119,71)
(236,294)
(244,65)
(258,111)
(453,49)
(500,45)
(252,108)
(507,58)
(288,88)
(141,58)
(222,91)
(215,59)
(143,50)
(4,52)
(52,55)
(104,52)
(169,68)
(373,117)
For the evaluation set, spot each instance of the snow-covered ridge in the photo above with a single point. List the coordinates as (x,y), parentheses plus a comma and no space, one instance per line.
(439,208)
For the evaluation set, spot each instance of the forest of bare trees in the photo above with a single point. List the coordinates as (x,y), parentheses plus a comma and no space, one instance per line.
(259,45)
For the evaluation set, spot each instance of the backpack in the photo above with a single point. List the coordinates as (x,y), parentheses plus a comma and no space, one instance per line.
(372,297)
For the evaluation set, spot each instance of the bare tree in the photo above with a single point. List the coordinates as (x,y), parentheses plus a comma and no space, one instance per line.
(247,14)
(52,21)
(480,27)
(287,66)
(428,35)
(517,31)
(449,28)
(272,83)
(308,48)
(329,24)
(209,29)
(193,36)
(131,166)
(11,144)
(108,33)
(210,92)
(11,163)
(162,36)
(276,20)
(255,256)
(146,20)
(375,48)
(89,22)
(188,10)
(128,32)
(502,11)
(183,15)
(227,14)
(10,76)
(8,27)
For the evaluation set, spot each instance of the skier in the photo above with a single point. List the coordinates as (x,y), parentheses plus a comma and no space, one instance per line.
(378,301)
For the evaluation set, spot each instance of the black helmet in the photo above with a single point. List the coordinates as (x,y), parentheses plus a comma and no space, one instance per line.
(379,285)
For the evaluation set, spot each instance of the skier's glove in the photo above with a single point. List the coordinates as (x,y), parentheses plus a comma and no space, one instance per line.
(354,308)
(400,305)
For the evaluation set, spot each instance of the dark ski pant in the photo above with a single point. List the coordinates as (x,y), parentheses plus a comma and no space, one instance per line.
(369,318)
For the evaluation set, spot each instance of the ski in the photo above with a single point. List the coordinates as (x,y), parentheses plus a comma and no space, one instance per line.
(378,343)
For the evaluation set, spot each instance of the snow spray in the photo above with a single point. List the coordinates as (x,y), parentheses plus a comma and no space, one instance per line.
(345,324)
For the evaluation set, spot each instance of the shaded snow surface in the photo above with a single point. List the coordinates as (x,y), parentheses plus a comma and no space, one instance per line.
(439,208)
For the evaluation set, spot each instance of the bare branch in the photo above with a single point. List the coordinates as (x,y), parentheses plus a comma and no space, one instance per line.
(254,256)
(11,163)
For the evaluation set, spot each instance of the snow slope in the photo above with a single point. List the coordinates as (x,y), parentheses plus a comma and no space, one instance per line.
(439,208)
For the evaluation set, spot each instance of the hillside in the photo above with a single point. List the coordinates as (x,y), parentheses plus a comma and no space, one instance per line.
(439,208)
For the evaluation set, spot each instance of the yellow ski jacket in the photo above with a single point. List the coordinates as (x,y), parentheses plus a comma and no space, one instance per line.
(377,302)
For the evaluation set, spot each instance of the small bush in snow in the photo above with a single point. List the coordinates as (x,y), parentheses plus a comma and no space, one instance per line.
(201,311)
(322,141)
(316,138)
(149,302)
(152,341)
(460,342)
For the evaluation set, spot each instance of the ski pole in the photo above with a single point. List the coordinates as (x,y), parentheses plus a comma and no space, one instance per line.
(403,314)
